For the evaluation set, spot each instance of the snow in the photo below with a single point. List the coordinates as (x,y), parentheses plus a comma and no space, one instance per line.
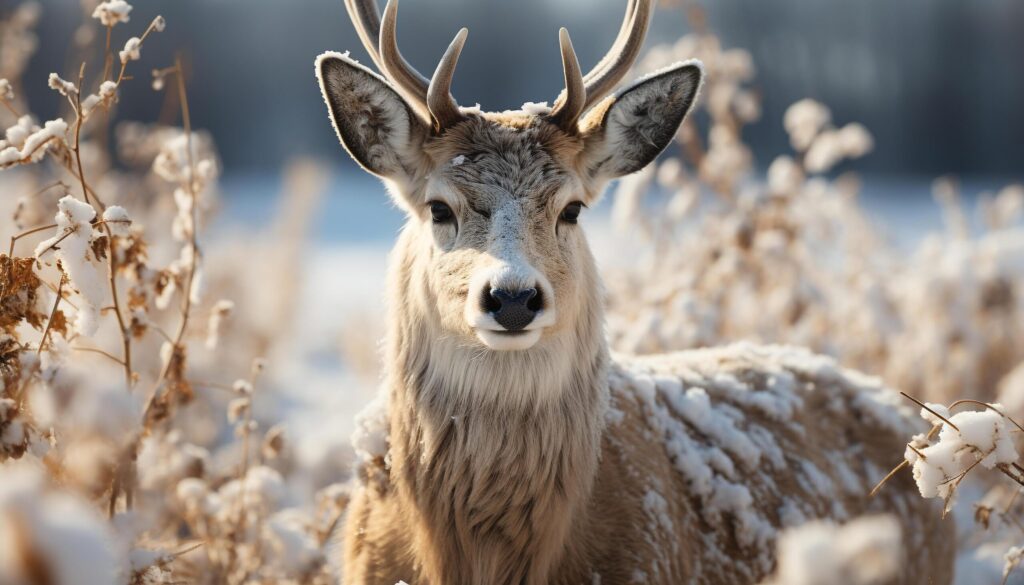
(20,131)
(1013,558)
(730,419)
(62,86)
(237,409)
(131,51)
(292,546)
(191,491)
(117,220)
(370,439)
(221,310)
(856,140)
(67,535)
(803,120)
(536,108)
(975,437)
(72,247)
(106,95)
(242,387)
(112,12)
(784,176)
(866,551)
(34,141)
(262,488)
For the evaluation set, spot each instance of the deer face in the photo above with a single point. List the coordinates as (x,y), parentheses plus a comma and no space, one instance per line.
(497,225)
(493,200)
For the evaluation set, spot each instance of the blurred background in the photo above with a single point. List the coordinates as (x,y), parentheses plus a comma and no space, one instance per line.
(938,82)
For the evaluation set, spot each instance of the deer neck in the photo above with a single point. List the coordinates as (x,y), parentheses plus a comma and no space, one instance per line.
(493,454)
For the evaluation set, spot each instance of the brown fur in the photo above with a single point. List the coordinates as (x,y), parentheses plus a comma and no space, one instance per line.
(500,467)
(550,462)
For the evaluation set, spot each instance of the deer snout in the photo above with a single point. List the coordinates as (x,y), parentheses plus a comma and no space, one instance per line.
(512,309)
(511,306)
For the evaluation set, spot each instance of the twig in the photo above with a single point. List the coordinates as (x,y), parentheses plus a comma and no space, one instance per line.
(929,409)
(10,108)
(108,58)
(53,313)
(193,241)
(111,251)
(15,238)
(64,236)
(101,352)
(124,64)
(988,406)
(887,477)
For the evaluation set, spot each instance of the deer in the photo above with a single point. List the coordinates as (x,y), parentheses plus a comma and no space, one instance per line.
(514,446)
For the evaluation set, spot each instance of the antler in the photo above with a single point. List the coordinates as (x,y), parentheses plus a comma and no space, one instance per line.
(433,100)
(430,99)
(581,93)
(440,102)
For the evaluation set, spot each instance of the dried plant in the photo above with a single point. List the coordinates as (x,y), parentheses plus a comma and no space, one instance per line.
(110,290)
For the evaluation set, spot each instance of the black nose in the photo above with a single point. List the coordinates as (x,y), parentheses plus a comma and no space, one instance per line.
(513,310)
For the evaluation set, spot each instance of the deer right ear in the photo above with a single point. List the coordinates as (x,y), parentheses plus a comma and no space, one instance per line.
(626,132)
(373,122)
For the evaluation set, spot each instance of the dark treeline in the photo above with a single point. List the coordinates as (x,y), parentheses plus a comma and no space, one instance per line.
(940,83)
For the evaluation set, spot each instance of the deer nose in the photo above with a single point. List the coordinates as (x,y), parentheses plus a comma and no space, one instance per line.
(513,310)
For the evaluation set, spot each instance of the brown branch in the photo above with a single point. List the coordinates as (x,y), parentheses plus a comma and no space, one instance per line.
(988,406)
(929,409)
(108,57)
(63,237)
(124,64)
(887,477)
(53,313)
(79,120)
(186,293)
(100,352)
(15,238)
(10,108)
(111,252)
(28,157)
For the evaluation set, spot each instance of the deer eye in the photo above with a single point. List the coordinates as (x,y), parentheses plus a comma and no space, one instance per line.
(571,213)
(440,212)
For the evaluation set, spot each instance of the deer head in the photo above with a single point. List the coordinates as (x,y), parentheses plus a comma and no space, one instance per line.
(493,200)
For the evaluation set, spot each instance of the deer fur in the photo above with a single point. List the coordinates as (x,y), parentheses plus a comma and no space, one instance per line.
(537,457)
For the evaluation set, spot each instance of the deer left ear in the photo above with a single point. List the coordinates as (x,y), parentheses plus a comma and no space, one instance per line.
(373,122)
(626,132)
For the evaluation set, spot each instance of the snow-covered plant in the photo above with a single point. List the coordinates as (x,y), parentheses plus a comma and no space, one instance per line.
(109,399)
(791,256)
(865,551)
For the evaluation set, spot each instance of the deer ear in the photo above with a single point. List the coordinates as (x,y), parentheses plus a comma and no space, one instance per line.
(626,132)
(373,122)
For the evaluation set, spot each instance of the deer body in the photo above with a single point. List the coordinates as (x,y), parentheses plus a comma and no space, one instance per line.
(515,449)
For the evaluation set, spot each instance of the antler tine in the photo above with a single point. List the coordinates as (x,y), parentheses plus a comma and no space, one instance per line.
(627,22)
(366,18)
(616,64)
(380,41)
(571,104)
(440,103)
